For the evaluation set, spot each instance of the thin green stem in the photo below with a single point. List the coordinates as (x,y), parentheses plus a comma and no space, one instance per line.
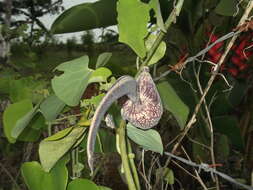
(49,129)
(73,164)
(124,156)
(132,165)
(132,176)
(172,18)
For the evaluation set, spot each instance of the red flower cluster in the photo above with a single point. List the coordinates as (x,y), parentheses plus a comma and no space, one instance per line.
(237,63)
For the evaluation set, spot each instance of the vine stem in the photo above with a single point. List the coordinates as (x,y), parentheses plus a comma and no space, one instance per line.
(172,18)
(132,179)
(121,131)
(132,165)
(210,82)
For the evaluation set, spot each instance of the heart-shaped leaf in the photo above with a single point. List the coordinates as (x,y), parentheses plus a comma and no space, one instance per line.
(100,75)
(133,17)
(78,184)
(33,131)
(70,85)
(148,139)
(12,114)
(173,103)
(57,148)
(24,121)
(36,178)
(51,107)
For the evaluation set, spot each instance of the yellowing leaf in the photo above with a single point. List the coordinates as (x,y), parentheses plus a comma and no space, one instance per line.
(84,122)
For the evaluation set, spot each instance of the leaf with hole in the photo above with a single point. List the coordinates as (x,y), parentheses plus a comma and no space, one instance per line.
(70,85)
(148,139)
(155,4)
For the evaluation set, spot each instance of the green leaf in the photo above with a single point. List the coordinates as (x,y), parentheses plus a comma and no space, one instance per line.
(148,139)
(228,125)
(23,122)
(222,147)
(199,152)
(103,58)
(59,134)
(226,7)
(94,100)
(105,143)
(5,84)
(167,173)
(51,107)
(33,131)
(79,184)
(12,114)
(26,88)
(169,176)
(104,188)
(86,16)
(57,148)
(160,51)
(70,85)
(133,17)
(100,75)
(19,91)
(173,103)
(37,179)
(237,93)
(154,4)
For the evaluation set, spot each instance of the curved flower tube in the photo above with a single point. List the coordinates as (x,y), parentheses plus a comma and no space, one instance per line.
(143,109)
